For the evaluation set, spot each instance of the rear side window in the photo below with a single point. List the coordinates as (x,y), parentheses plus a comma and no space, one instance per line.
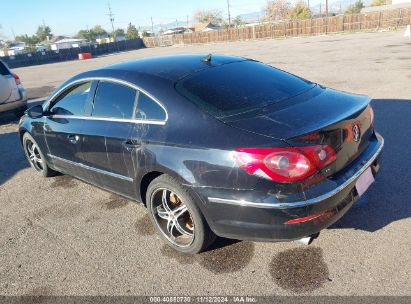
(148,109)
(235,88)
(73,102)
(114,100)
(3,69)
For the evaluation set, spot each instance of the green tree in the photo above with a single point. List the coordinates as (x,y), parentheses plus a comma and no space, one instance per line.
(238,21)
(43,31)
(117,33)
(92,34)
(30,41)
(208,16)
(98,31)
(85,34)
(145,34)
(300,11)
(132,32)
(355,8)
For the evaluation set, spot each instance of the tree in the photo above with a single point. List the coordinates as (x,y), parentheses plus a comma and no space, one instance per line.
(238,21)
(30,41)
(208,16)
(85,34)
(98,31)
(277,10)
(43,31)
(118,33)
(132,32)
(92,34)
(355,8)
(300,11)
(379,2)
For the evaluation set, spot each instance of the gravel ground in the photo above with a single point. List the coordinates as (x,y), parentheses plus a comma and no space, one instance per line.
(60,236)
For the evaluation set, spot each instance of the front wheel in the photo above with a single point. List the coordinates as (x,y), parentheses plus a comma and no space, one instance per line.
(176,217)
(35,156)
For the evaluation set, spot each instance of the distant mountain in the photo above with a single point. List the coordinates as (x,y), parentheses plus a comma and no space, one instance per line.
(252,17)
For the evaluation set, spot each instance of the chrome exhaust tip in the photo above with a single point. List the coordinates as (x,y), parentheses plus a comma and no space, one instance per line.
(308,239)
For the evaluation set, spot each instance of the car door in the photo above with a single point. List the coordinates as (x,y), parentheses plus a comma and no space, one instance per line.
(108,147)
(64,127)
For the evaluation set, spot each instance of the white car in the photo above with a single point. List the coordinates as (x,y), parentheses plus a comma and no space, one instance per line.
(13,97)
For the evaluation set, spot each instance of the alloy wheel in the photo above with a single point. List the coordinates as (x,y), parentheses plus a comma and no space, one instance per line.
(34,155)
(172,217)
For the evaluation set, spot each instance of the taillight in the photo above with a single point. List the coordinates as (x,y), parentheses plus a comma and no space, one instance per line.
(285,164)
(16,79)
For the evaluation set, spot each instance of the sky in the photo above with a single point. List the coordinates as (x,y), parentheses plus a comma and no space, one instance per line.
(68,17)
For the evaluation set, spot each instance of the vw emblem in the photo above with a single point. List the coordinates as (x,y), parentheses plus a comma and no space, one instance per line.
(356,132)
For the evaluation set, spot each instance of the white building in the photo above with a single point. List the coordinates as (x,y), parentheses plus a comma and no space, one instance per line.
(67,43)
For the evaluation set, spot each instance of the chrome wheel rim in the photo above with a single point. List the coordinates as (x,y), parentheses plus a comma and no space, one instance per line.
(172,217)
(34,156)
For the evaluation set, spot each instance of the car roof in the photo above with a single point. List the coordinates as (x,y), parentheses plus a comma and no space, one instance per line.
(173,67)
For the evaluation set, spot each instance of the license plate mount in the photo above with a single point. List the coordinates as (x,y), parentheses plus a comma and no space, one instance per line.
(364,181)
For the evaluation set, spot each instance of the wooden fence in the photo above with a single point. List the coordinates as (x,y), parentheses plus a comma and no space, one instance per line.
(388,20)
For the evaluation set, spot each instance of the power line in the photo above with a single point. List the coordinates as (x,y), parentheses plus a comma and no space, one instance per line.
(228,10)
(111,15)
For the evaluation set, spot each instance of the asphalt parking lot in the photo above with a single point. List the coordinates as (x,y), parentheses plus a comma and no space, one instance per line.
(60,236)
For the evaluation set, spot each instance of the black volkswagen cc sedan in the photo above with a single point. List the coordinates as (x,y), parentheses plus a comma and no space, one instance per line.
(212,145)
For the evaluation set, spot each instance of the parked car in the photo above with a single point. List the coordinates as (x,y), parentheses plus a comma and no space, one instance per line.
(212,145)
(12,94)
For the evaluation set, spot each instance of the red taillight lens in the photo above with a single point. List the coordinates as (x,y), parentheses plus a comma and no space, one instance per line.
(17,79)
(285,164)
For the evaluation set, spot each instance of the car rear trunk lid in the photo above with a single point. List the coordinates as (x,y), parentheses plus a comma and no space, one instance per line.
(318,116)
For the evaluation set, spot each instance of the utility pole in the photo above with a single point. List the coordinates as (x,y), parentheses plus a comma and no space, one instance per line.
(326,8)
(229,15)
(326,16)
(152,25)
(177,22)
(111,15)
(187,21)
(14,35)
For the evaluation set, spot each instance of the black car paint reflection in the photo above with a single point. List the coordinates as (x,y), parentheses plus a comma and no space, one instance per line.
(182,134)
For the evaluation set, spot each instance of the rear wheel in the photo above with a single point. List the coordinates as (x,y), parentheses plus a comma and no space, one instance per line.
(176,217)
(20,111)
(35,156)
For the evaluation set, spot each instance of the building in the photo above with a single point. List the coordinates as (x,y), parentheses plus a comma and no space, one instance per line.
(178,30)
(206,27)
(67,43)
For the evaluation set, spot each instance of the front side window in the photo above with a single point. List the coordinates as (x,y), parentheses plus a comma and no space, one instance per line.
(148,109)
(73,102)
(114,100)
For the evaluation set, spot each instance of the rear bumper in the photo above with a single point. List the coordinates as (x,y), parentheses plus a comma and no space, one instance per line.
(257,215)
(14,105)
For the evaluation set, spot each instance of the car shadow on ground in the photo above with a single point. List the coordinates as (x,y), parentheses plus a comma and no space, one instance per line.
(13,159)
(388,199)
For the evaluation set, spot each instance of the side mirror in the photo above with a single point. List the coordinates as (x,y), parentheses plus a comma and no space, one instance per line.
(35,112)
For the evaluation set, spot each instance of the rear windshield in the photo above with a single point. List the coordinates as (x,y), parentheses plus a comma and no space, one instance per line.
(239,87)
(3,69)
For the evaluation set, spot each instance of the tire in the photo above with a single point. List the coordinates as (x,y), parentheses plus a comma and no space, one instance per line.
(20,111)
(38,162)
(189,228)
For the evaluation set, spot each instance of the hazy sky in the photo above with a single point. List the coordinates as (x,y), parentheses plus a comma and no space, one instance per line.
(67,17)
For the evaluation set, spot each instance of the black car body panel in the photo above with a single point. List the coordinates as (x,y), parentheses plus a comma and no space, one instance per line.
(195,147)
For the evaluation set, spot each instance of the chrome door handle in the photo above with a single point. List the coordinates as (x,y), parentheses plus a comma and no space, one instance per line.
(73,139)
